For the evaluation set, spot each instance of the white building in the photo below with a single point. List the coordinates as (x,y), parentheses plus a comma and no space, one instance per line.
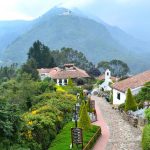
(61,75)
(135,83)
(105,86)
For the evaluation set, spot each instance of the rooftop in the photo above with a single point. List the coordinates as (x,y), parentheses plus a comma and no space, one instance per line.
(133,82)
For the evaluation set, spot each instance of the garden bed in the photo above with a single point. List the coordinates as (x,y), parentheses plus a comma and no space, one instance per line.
(63,139)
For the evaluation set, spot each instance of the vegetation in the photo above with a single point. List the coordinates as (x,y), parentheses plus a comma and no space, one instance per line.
(146,138)
(130,103)
(41,54)
(63,139)
(147,115)
(118,68)
(144,94)
(84,120)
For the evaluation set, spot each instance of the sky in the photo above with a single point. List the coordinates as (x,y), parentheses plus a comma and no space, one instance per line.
(133,16)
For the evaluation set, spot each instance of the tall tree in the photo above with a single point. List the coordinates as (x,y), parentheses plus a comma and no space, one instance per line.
(41,54)
(118,68)
(130,103)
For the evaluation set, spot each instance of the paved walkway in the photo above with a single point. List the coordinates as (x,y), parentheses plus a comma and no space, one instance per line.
(117,134)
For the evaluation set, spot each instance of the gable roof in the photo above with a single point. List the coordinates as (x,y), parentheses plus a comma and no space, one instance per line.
(133,82)
(58,73)
(102,77)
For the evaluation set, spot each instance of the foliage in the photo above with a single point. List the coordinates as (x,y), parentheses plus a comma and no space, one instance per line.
(30,67)
(10,124)
(144,94)
(41,54)
(146,138)
(8,72)
(88,87)
(121,107)
(147,115)
(69,55)
(88,106)
(42,125)
(70,82)
(63,139)
(84,120)
(99,82)
(118,68)
(130,103)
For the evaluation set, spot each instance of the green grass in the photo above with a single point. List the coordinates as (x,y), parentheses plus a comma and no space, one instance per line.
(63,139)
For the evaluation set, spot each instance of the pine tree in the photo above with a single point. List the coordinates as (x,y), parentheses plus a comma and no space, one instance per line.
(130,103)
(84,121)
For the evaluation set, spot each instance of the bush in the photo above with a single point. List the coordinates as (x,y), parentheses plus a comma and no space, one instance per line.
(121,107)
(147,115)
(130,103)
(84,121)
(88,87)
(146,138)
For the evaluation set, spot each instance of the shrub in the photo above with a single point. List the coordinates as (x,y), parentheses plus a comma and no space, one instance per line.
(88,106)
(84,121)
(121,107)
(147,115)
(88,87)
(130,103)
(70,82)
(146,138)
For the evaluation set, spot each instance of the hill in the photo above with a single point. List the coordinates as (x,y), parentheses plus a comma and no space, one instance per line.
(61,27)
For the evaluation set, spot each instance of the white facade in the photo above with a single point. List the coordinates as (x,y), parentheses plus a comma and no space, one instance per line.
(105,85)
(120,97)
(62,82)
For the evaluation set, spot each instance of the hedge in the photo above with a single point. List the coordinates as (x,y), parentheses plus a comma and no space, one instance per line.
(146,138)
(63,139)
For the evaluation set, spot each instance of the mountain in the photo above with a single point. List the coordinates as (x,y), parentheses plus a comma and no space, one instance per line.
(61,27)
(10,30)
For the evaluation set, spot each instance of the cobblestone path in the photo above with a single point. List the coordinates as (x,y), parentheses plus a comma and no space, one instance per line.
(122,136)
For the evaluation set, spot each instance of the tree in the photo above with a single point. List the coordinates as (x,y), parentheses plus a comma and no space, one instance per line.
(69,55)
(103,65)
(41,54)
(118,68)
(30,67)
(130,103)
(84,120)
(10,124)
(144,94)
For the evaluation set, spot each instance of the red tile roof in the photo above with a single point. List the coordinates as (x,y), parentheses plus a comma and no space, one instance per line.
(57,73)
(102,77)
(133,82)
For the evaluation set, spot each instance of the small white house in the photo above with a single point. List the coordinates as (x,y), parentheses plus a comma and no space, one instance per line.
(105,85)
(135,83)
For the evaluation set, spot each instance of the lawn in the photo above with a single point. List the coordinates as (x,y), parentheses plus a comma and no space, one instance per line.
(63,139)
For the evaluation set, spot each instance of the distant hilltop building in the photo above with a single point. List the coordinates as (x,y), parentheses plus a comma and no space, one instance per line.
(135,83)
(66,12)
(61,75)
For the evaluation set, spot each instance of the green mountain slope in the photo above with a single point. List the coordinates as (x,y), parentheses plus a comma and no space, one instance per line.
(62,28)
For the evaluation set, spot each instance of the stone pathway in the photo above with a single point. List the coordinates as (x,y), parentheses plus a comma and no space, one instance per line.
(121,135)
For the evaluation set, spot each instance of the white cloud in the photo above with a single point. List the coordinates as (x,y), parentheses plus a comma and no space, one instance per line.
(77,3)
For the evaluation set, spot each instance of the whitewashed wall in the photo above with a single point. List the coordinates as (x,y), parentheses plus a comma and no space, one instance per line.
(116,101)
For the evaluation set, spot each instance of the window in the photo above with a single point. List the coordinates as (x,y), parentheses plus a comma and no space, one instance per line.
(107,73)
(118,96)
